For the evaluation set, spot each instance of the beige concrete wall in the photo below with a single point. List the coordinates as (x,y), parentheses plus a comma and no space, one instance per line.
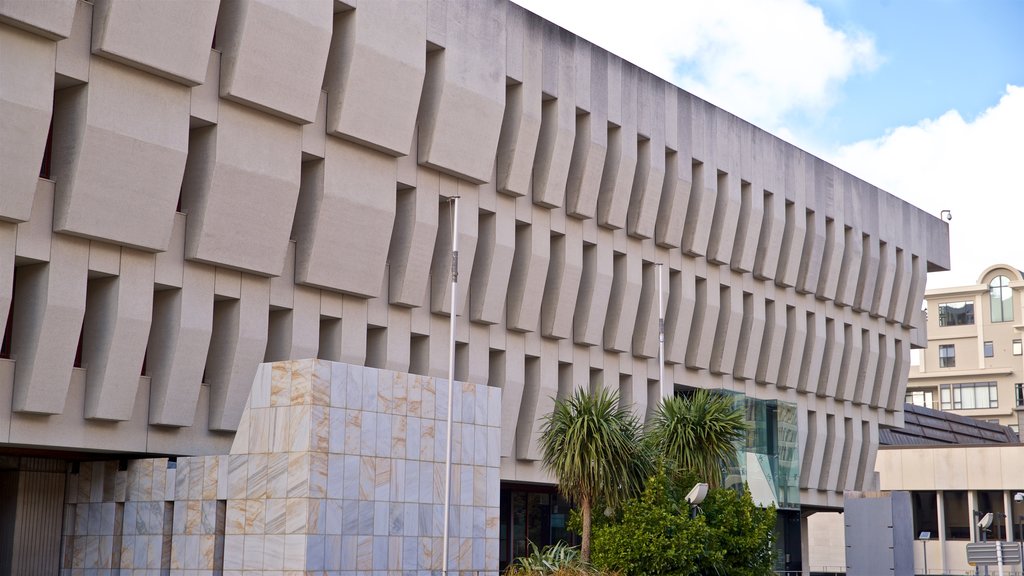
(314,153)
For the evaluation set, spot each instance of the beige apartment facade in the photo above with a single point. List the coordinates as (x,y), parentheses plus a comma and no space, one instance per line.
(191,191)
(974,362)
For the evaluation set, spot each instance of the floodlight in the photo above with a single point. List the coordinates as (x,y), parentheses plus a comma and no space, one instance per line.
(697,495)
(986,521)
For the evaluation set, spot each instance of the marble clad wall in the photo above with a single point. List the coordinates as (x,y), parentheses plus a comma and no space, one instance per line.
(335,469)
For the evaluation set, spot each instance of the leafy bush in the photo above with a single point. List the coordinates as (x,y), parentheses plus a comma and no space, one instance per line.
(556,560)
(654,535)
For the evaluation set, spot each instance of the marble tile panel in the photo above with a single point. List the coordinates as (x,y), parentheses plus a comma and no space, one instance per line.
(273,552)
(181,479)
(381,518)
(196,477)
(381,545)
(208,516)
(333,517)
(441,442)
(364,553)
(425,519)
(493,447)
(353,431)
(280,384)
(332,552)
(259,395)
(479,554)
(320,383)
(425,551)
(314,554)
(365,526)
(256,484)
(319,428)
(336,430)
(353,472)
(397,483)
(302,376)
(479,524)
(400,393)
(275,510)
(441,399)
(464,553)
(367,477)
(350,517)
(428,397)
(298,474)
(414,393)
(480,405)
(468,412)
(349,548)
(238,475)
(413,432)
(370,384)
(429,432)
(491,551)
(211,473)
(316,516)
(396,518)
(479,494)
(395,550)
(278,439)
(382,437)
(354,388)
(277,474)
(382,479)
(410,553)
(492,522)
(493,479)
(259,430)
(368,434)
(121,485)
(256,516)
(335,475)
(252,557)
(479,446)
(410,519)
(318,475)
(298,433)
(234,551)
(385,396)
(399,432)
(439,482)
(494,406)
(296,515)
(240,444)
(339,385)
(193,516)
(234,517)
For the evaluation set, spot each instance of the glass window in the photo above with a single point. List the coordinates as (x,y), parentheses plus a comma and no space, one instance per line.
(956,313)
(920,398)
(992,501)
(1017,348)
(947,356)
(926,514)
(969,396)
(989,350)
(1001,299)
(958,516)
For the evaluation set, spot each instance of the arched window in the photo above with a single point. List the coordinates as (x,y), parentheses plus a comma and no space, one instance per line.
(1001,298)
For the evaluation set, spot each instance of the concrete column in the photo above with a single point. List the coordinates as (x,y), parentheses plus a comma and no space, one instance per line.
(941,508)
(805,547)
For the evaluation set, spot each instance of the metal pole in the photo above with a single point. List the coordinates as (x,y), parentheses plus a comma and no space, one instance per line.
(661,337)
(451,381)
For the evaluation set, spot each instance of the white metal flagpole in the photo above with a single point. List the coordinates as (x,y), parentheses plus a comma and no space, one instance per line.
(451,381)
(661,337)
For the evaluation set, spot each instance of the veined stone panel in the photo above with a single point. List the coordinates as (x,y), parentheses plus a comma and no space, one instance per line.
(577,175)
(337,468)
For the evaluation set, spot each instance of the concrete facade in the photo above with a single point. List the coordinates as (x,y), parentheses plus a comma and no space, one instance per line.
(283,195)
(978,331)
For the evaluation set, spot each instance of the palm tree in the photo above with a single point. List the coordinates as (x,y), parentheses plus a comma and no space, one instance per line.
(594,448)
(698,433)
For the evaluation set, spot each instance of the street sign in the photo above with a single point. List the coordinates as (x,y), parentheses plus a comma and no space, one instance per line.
(986,554)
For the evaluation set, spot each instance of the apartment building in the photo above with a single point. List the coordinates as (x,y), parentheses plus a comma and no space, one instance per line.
(974,362)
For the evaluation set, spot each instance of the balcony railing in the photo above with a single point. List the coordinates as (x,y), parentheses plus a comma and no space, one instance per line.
(1018,393)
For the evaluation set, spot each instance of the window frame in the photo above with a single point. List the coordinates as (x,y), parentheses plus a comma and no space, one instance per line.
(959,313)
(1018,346)
(989,349)
(964,396)
(999,291)
(947,360)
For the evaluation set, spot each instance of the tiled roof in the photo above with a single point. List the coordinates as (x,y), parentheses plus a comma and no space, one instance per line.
(924,426)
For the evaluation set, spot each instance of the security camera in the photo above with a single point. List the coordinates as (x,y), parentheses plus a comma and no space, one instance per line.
(697,495)
(1018,497)
(986,521)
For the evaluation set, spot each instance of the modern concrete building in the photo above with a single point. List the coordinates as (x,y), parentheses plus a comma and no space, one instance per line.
(191,189)
(974,362)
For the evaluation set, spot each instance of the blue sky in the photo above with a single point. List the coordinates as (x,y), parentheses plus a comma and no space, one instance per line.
(923,98)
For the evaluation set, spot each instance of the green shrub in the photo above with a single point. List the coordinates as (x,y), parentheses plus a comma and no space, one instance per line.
(556,560)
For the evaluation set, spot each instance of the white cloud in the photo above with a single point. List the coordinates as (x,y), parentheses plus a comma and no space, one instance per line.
(970,167)
(763,60)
